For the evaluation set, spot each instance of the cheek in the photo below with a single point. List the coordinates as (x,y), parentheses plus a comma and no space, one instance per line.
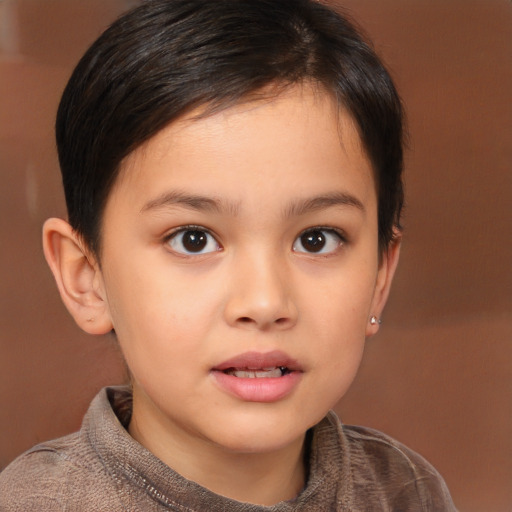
(146,291)
(338,318)
(341,302)
(339,343)
(160,315)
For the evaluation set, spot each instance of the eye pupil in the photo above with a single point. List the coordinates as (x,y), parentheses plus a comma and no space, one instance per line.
(194,241)
(313,241)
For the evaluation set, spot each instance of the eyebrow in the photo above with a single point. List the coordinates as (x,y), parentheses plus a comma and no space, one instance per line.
(191,201)
(216,205)
(321,202)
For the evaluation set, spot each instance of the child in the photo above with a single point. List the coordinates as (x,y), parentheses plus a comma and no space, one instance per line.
(232,172)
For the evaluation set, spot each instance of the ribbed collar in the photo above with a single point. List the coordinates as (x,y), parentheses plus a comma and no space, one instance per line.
(132,466)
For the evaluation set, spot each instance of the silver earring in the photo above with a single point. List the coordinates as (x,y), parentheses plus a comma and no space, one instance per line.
(375,321)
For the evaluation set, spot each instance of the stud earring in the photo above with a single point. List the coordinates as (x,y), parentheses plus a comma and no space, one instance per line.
(375,321)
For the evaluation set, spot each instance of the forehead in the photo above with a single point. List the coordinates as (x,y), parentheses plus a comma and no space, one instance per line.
(299,136)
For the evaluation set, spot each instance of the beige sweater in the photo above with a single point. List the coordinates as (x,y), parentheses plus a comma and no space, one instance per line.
(102,468)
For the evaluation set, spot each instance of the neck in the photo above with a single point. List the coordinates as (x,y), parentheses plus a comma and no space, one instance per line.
(263,479)
(258,478)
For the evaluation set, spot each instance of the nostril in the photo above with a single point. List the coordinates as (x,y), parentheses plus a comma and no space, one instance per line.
(248,320)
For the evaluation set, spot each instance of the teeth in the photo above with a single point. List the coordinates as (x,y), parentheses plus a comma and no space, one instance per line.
(261,373)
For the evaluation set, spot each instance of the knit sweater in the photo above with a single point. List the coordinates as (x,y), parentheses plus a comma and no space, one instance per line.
(102,468)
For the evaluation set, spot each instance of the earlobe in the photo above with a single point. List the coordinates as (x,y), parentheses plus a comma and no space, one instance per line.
(78,277)
(387,267)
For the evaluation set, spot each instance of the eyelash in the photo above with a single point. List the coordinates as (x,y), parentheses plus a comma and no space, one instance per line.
(340,235)
(190,228)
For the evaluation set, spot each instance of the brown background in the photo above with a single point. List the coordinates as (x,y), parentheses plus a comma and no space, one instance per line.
(438,377)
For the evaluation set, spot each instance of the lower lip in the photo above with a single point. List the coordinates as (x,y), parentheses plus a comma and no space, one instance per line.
(264,389)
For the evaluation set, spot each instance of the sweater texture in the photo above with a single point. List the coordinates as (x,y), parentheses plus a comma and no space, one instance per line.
(102,468)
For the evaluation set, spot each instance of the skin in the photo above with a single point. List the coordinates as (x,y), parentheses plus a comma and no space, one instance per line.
(259,169)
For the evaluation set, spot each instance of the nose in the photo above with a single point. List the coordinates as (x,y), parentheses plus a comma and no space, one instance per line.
(260,295)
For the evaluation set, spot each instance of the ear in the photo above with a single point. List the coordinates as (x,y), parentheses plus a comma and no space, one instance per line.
(387,267)
(78,277)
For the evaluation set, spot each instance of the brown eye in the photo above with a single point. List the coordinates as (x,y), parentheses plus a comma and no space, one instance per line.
(193,241)
(320,241)
(313,241)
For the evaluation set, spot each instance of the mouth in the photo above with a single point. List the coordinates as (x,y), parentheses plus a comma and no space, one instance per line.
(259,377)
(257,365)
(258,373)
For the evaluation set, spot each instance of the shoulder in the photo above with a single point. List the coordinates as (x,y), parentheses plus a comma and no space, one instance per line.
(76,472)
(39,478)
(395,474)
(35,478)
(382,450)
(56,476)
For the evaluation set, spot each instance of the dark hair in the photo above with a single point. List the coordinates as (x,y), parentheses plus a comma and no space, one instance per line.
(167,57)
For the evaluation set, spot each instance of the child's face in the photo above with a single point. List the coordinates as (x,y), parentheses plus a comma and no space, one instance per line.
(248,241)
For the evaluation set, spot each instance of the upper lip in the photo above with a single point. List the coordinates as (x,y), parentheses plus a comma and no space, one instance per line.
(258,361)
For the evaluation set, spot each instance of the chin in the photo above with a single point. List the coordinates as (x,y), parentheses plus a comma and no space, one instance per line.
(251,434)
(261,444)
